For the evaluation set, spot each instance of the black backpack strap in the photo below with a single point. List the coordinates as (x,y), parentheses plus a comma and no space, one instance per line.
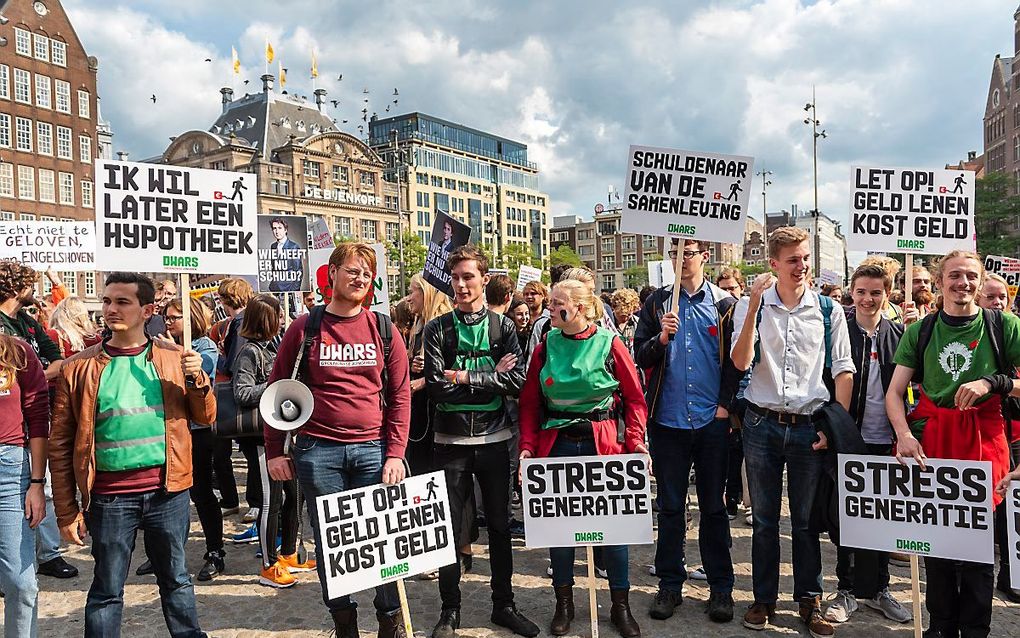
(923,338)
(997,338)
(312,327)
(385,326)
(495,337)
(449,340)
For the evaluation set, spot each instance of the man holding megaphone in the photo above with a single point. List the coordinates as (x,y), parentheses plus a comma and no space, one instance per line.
(356,367)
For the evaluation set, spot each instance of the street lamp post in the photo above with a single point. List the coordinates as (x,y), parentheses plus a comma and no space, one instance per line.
(765,183)
(815,134)
(397,165)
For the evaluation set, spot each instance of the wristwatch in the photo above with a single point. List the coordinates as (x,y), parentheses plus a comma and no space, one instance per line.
(39,481)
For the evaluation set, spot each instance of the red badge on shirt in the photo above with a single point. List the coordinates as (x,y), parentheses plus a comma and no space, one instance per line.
(973,344)
(548,381)
(713,330)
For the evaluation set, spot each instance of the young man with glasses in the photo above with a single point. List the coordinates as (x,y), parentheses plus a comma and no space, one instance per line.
(689,393)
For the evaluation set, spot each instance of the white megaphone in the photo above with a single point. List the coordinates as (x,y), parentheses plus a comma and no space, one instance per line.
(286,405)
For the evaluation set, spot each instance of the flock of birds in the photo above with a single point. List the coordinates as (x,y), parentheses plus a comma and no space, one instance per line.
(336,103)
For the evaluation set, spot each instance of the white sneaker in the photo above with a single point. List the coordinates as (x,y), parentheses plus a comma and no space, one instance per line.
(251,515)
(749,519)
(842,606)
(697,574)
(889,606)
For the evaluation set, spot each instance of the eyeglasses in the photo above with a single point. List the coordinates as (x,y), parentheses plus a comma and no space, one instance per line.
(354,273)
(730,288)
(173,318)
(688,254)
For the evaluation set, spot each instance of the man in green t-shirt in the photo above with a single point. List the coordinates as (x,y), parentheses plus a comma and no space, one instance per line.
(961,390)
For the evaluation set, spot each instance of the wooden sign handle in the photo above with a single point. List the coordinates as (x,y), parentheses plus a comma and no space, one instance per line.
(404,608)
(915,586)
(186,310)
(592,603)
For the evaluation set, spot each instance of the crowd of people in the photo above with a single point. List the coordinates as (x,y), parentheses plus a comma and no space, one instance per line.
(737,386)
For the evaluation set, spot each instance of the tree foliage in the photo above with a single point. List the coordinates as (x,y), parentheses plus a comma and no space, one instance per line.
(564,255)
(996,212)
(414,256)
(515,255)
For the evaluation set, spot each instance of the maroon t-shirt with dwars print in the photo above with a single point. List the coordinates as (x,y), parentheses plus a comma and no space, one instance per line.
(344,374)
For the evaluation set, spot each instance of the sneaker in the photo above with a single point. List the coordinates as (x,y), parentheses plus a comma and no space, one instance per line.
(889,606)
(516,528)
(515,500)
(720,607)
(432,575)
(514,620)
(251,515)
(731,511)
(697,574)
(145,568)
(293,565)
(811,614)
(214,565)
(843,605)
(651,569)
(759,615)
(230,511)
(57,568)
(277,576)
(548,571)
(665,603)
(449,623)
(749,519)
(250,535)
(899,558)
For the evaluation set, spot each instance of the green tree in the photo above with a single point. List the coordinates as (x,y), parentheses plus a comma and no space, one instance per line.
(515,255)
(995,212)
(751,270)
(636,276)
(414,256)
(564,255)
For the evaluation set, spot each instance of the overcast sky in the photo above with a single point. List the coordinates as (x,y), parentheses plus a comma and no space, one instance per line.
(899,82)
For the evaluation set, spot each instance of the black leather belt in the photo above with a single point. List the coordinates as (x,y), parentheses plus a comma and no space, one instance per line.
(786,418)
(577,432)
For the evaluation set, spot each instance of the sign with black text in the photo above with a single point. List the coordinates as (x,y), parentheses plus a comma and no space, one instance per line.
(587,500)
(160,218)
(447,234)
(1013,532)
(687,194)
(911,210)
(377,534)
(283,253)
(526,275)
(943,510)
(1006,267)
(67,246)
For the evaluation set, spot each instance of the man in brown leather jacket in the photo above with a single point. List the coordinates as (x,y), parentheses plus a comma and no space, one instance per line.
(120,436)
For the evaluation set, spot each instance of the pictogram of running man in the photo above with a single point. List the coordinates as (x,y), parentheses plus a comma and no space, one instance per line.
(431,485)
(959,184)
(238,187)
(734,189)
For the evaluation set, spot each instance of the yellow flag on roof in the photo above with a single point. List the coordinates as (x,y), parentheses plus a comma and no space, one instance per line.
(235,62)
(269,52)
(283,74)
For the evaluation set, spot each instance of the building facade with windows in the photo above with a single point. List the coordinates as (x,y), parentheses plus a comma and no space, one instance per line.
(304,163)
(480,179)
(48,122)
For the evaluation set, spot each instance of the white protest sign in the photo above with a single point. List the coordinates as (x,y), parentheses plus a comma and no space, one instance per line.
(674,193)
(67,246)
(159,218)
(1013,532)
(526,275)
(943,510)
(660,273)
(381,283)
(319,234)
(830,277)
(1006,267)
(377,534)
(911,210)
(587,500)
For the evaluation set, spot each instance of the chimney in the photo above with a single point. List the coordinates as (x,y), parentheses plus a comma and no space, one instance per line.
(228,97)
(971,156)
(320,98)
(122,155)
(267,82)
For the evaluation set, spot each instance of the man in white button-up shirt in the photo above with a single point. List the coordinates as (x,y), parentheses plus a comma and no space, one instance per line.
(789,384)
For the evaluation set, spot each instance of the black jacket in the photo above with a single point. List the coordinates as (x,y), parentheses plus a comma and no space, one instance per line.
(650,354)
(888,335)
(844,437)
(481,386)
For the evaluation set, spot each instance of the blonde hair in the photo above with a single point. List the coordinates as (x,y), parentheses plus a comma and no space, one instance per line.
(434,303)
(201,316)
(71,320)
(587,278)
(625,300)
(940,265)
(235,292)
(358,249)
(990,276)
(582,295)
(12,358)
(785,236)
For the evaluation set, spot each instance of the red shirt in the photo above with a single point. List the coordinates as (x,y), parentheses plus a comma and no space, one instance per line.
(146,479)
(25,400)
(344,373)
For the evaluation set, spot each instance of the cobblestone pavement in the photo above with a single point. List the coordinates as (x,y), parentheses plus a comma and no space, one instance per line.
(234,605)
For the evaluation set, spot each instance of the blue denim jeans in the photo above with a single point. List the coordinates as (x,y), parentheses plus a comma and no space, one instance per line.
(113,520)
(614,557)
(768,448)
(674,451)
(47,542)
(17,545)
(327,467)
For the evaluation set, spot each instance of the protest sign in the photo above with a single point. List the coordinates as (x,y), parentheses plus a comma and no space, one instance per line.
(527,274)
(447,234)
(943,510)
(587,500)
(830,277)
(378,298)
(675,193)
(283,253)
(911,210)
(319,235)
(158,218)
(377,534)
(1006,267)
(660,273)
(1013,532)
(318,262)
(67,246)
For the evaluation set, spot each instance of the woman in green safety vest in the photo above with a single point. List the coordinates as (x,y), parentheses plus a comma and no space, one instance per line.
(582,397)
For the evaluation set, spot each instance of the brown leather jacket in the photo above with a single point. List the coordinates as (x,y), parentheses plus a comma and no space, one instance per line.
(72,433)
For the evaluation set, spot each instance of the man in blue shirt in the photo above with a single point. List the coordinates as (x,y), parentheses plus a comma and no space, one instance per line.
(689,392)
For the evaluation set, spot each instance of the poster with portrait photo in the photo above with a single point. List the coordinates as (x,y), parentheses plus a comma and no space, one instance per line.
(447,234)
(283,253)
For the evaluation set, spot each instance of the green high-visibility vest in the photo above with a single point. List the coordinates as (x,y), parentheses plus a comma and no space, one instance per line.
(473,353)
(130,422)
(574,377)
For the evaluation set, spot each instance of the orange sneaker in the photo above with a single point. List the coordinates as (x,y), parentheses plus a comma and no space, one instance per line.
(292,564)
(277,576)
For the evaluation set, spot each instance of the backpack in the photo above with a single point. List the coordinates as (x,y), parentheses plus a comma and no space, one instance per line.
(826,305)
(312,328)
(450,339)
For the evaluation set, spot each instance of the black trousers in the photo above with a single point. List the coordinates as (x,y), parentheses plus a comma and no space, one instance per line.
(734,480)
(862,572)
(223,467)
(203,445)
(253,483)
(959,597)
(490,464)
(280,501)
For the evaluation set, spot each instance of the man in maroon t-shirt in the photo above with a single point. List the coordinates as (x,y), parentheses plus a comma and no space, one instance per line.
(351,439)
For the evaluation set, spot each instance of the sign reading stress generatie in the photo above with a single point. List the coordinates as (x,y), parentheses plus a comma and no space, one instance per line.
(158,218)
